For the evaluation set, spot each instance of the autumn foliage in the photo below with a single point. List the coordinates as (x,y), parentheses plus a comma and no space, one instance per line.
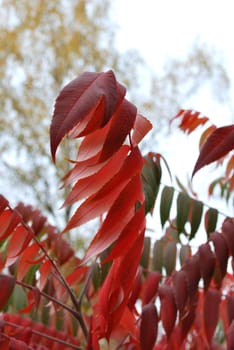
(128,291)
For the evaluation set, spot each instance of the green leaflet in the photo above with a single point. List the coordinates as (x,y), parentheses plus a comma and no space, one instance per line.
(145,257)
(211,218)
(169,256)
(183,202)
(165,204)
(151,176)
(157,262)
(197,209)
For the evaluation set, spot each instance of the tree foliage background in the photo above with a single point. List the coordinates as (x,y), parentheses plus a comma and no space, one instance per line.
(45,44)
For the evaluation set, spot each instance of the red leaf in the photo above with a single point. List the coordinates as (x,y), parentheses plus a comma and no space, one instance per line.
(180,290)
(91,98)
(230,308)
(217,145)
(190,120)
(121,124)
(3,203)
(211,312)
(207,263)
(44,270)
(33,299)
(93,183)
(168,308)
(27,258)
(230,337)
(221,251)
(8,221)
(193,275)
(19,241)
(141,127)
(151,287)
(123,207)
(228,229)
(101,201)
(7,284)
(149,326)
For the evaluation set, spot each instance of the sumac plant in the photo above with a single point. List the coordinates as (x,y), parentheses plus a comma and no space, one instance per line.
(129,290)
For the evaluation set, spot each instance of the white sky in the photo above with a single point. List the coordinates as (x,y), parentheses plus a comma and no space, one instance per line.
(168,28)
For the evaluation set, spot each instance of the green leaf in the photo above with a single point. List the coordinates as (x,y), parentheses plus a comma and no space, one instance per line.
(197,209)
(145,257)
(185,252)
(169,256)
(211,217)
(165,204)
(157,262)
(183,201)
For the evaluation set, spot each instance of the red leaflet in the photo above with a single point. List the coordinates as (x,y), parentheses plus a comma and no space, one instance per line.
(93,183)
(44,270)
(230,308)
(193,275)
(8,221)
(190,120)
(141,127)
(217,145)
(230,336)
(149,326)
(151,287)
(28,258)
(221,251)
(211,312)
(19,241)
(168,310)
(101,201)
(121,124)
(7,284)
(3,203)
(123,208)
(180,290)
(92,95)
(227,230)
(33,300)
(207,263)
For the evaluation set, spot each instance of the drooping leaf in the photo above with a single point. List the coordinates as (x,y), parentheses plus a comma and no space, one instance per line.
(207,263)
(18,242)
(230,336)
(145,257)
(228,229)
(151,176)
(157,262)
(150,287)
(211,312)
(165,203)
(183,202)
(221,251)
(168,310)
(197,209)
(193,274)
(180,290)
(211,218)
(230,308)
(185,252)
(149,326)
(7,284)
(169,256)
(217,145)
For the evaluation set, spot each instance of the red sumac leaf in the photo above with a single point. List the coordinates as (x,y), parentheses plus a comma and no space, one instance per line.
(8,221)
(207,263)
(149,326)
(211,312)
(193,274)
(3,203)
(221,251)
(141,127)
(151,287)
(230,336)
(228,229)
(168,310)
(180,289)
(90,100)
(230,308)
(7,284)
(19,241)
(217,145)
